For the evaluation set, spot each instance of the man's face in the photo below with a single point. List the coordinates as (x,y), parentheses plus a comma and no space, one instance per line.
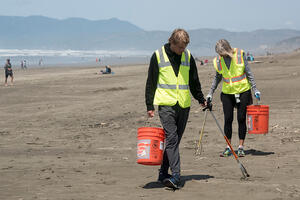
(178,48)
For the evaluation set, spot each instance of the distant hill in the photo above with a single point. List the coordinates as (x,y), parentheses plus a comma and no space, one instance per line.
(288,44)
(38,32)
(74,33)
(259,41)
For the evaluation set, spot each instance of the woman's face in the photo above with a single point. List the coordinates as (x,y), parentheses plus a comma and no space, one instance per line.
(222,54)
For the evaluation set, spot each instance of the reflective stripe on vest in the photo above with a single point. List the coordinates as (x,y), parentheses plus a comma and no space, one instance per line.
(171,88)
(238,78)
(166,86)
(226,80)
(186,61)
(164,63)
(218,60)
(234,80)
(239,56)
(183,87)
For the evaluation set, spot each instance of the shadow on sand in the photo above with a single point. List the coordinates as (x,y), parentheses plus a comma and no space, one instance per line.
(157,184)
(257,152)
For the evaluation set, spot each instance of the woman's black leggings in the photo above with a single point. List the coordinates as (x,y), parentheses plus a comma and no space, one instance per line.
(229,103)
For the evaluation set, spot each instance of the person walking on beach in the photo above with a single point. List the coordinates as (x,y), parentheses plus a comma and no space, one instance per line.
(24,64)
(8,72)
(172,75)
(40,61)
(232,67)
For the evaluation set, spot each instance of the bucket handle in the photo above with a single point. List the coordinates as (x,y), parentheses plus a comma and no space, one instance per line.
(149,121)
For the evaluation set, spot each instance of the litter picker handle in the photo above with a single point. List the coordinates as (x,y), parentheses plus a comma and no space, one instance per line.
(227,141)
(243,169)
(201,132)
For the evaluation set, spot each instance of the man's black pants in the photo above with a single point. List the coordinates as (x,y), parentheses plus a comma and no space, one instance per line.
(173,119)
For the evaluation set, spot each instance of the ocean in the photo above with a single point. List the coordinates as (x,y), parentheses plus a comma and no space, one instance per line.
(54,58)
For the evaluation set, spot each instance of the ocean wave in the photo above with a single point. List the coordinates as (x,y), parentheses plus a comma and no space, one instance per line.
(71,53)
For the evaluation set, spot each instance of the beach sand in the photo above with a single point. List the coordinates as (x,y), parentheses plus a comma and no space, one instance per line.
(70,133)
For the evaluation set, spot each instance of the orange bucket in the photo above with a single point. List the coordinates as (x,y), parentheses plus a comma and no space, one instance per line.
(258,119)
(150,145)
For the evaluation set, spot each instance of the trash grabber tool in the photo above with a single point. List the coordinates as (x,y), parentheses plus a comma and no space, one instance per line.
(243,169)
(199,145)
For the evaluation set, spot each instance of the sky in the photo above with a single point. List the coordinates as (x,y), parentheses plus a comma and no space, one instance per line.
(166,15)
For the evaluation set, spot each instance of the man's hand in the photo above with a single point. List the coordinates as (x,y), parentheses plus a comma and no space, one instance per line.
(208,104)
(150,113)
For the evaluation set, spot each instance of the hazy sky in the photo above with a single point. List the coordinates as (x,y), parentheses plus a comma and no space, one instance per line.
(233,15)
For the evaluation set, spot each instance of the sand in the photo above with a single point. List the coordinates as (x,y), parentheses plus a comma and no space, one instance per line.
(70,133)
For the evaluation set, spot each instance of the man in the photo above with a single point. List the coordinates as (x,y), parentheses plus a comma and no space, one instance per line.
(8,72)
(172,75)
(232,67)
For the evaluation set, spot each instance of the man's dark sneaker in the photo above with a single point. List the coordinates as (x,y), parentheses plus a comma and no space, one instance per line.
(226,152)
(162,176)
(173,182)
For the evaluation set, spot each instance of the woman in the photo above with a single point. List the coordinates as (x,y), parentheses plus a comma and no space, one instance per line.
(232,67)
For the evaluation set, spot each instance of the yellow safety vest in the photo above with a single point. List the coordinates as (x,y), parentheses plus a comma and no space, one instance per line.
(172,89)
(234,80)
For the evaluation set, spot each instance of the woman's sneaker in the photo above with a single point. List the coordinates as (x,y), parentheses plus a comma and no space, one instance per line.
(226,152)
(241,152)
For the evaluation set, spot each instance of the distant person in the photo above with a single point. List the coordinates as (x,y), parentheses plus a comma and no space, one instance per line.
(41,62)
(250,57)
(8,72)
(24,64)
(107,70)
(232,67)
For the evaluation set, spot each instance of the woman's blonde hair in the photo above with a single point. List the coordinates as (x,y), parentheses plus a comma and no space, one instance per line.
(223,48)
(179,35)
